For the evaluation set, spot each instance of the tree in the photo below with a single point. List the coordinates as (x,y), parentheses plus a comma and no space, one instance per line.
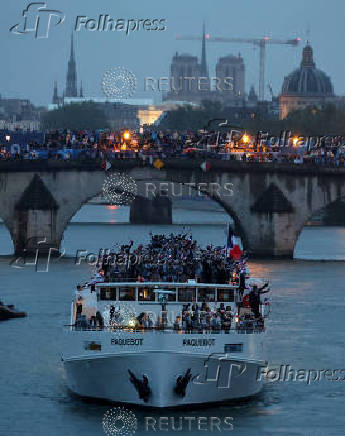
(192,118)
(76,116)
(313,121)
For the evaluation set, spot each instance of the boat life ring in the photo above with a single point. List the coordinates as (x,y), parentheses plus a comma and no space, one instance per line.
(246,301)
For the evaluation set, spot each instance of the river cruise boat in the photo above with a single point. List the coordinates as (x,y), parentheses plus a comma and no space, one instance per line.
(166,344)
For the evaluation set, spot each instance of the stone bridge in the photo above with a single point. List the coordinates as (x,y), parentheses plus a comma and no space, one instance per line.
(269,203)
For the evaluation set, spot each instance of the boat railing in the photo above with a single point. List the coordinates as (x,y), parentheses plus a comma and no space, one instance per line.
(171,330)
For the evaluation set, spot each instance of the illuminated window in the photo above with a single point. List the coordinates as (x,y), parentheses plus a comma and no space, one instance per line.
(226,295)
(146,294)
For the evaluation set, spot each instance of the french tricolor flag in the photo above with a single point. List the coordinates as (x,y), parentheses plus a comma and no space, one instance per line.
(205,166)
(229,241)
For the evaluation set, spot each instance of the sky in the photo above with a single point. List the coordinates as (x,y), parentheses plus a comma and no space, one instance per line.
(29,65)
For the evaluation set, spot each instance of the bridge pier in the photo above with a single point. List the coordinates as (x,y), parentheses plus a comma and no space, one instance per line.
(272,228)
(35,220)
(272,235)
(151,211)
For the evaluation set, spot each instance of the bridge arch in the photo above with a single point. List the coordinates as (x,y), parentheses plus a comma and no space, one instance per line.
(214,199)
(320,217)
(270,203)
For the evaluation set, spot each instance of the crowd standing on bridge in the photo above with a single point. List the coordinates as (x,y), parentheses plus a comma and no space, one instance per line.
(150,145)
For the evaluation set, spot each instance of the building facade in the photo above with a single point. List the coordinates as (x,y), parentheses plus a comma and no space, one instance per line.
(230,75)
(306,86)
(190,79)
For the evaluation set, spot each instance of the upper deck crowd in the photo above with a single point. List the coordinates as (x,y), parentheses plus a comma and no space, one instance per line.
(179,259)
(173,258)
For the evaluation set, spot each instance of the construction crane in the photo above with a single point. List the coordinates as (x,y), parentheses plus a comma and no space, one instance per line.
(257,42)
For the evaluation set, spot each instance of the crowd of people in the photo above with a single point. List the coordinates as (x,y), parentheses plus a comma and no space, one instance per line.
(148,145)
(173,258)
(179,259)
(201,319)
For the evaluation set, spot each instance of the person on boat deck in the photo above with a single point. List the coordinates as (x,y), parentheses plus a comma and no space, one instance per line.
(79,293)
(147,321)
(221,308)
(112,312)
(99,320)
(178,323)
(242,283)
(79,309)
(216,322)
(254,298)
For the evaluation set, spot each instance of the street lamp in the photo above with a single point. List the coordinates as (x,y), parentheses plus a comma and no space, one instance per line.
(295,141)
(245,139)
(126,135)
(8,138)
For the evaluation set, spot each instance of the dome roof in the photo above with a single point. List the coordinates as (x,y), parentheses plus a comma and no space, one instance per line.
(307,80)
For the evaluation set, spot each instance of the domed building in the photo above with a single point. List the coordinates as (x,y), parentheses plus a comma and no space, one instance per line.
(306,86)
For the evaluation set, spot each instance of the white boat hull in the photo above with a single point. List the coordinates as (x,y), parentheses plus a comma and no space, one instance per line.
(215,377)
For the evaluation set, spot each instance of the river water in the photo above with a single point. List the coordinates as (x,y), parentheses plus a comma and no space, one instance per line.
(305,331)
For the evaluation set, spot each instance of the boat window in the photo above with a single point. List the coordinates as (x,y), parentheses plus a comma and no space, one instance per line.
(127,294)
(170,296)
(146,294)
(108,294)
(226,295)
(187,294)
(206,294)
(233,348)
(93,346)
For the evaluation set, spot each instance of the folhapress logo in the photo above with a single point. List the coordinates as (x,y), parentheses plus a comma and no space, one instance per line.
(37,19)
